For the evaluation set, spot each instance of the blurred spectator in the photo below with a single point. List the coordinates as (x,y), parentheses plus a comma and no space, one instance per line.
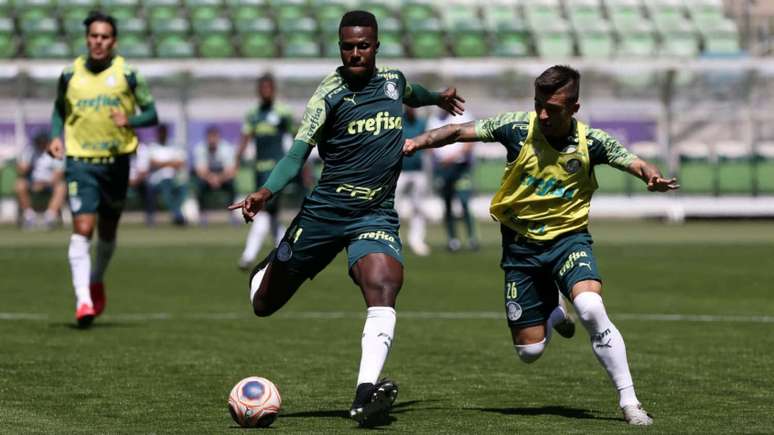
(453,169)
(39,174)
(167,177)
(413,184)
(215,166)
(139,168)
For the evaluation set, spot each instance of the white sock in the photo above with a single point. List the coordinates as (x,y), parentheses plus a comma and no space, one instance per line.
(102,259)
(555,317)
(607,344)
(258,231)
(80,265)
(376,343)
(417,231)
(255,283)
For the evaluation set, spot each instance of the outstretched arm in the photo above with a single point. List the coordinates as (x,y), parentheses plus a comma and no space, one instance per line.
(441,136)
(287,169)
(651,175)
(448,100)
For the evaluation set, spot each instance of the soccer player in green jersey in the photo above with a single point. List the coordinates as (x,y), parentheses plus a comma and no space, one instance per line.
(355,119)
(267,125)
(543,208)
(97,98)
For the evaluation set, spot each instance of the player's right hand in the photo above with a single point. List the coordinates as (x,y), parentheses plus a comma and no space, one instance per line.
(56,148)
(251,205)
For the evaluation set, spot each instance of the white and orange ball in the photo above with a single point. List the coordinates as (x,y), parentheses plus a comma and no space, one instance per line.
(254,402)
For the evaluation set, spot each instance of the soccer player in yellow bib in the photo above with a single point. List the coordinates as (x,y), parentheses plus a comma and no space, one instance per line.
(543,208)
(97,98)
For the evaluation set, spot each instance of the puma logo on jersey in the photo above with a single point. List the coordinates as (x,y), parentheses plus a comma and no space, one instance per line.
(350,99)
(382,121)
(584,265)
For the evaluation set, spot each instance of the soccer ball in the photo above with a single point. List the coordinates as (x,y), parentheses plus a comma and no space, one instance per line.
(254,402)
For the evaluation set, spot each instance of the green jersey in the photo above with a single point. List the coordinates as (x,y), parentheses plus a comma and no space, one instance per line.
(268,124)
(359,136)
(511,129)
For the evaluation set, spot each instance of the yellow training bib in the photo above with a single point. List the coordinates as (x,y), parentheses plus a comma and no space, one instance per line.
(90,98)
(544,192)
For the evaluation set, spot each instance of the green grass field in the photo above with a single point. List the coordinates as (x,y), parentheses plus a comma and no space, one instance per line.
(694,303)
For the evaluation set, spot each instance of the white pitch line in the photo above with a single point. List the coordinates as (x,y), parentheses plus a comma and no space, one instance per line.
(428,315)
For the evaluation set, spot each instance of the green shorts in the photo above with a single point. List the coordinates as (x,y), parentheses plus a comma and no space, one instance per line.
(536,271)
(315,238)
(97,185)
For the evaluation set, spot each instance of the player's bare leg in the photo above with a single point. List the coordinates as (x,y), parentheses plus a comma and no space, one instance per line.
(380,278)
(80,266)
(272,286)
(608,345)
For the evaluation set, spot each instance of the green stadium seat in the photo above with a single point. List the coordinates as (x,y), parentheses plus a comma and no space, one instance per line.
(391,45)
(216,46)
(459,18)
(554,43)
(470,44)
(300,45)
(72,21)
(415,13)
(48,7)
(611,180)
(258,45)
(329,15)
(174,47)
(132,26)
(45,47)
(300,24)
(636,44)
(194,5)
(6,26)
(258,25)
(764,168)
(627,16)
(6,7)
(78,45)
(288,12)
(390,25)
(595,44)
(136,47)
(679,44)
(39,26)
(584,14)
(68,5)
(203,13)
(503,18)
(8,46)
(380,9)
(706,13)
(735,167)
(540,14)
(161,13)
(427,45)
(330,47)
(123,13)
(722,39)
(218,25)
(249,19)
(261,4)
(698,169)
(512,44)
(172,26)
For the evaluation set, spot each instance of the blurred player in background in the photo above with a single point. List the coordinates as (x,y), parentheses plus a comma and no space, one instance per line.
(453,165)
(37,172)
(267,125)
(543,207)
(167,176)
(413,184)
(215,166)
(97,98)
(356,118)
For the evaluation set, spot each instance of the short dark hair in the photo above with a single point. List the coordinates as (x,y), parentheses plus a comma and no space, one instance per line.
(359,19)
(95,16)
(212,128)
(266,77)
(557,77)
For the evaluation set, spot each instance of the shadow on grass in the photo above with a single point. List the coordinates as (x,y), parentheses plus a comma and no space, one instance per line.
(561,411)
(95,325)
(398,408)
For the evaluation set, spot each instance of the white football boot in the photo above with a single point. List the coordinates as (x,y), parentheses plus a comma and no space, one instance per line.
(635,415)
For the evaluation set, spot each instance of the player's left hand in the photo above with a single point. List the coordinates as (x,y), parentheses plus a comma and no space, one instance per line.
(659,184)
(451,102)
(119,118)
(410,147)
